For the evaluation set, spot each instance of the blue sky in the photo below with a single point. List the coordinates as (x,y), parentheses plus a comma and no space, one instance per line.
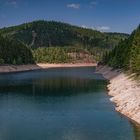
(103,15)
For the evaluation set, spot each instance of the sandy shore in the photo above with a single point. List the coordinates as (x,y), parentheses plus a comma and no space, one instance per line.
(20,68)
(125,92)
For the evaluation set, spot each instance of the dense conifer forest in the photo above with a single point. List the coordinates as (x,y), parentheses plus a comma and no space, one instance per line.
(14,52)
(54,42)
(127,54)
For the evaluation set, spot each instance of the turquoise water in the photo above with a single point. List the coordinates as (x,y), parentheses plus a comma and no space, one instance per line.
(60,104)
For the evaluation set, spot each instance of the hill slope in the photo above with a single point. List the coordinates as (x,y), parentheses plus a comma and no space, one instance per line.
(56,42)
(50,33)
(127,54)
(14,52)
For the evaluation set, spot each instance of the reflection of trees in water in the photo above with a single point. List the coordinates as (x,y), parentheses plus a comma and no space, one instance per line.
(136,129)
(67,86)
(55,87)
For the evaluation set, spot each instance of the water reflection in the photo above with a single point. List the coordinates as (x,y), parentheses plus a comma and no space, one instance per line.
(65,104)
(54,87)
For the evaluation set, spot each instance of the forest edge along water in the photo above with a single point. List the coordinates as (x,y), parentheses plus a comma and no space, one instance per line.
(64,103)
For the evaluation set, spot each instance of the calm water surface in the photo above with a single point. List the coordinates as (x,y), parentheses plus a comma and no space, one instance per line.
(60,104)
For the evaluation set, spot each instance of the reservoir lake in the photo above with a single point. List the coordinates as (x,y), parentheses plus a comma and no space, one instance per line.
(60,104)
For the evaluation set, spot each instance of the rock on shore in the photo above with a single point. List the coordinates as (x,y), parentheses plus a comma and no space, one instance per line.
(125,92)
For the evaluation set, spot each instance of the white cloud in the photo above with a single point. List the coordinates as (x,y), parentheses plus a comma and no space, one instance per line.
(84,26)
(103,28)
(74,5)
(87,27)
(99,28)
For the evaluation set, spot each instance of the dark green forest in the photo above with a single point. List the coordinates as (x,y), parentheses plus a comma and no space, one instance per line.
(127,54)
(14,52)
(54,42)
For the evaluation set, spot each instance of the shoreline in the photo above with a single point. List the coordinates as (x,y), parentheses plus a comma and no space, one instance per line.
(39,66)
(124,92)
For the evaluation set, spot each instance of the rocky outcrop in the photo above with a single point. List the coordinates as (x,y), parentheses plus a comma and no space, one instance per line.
(125,92)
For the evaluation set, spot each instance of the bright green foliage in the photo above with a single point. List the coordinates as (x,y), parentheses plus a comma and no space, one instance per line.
(61,55)
(51,55)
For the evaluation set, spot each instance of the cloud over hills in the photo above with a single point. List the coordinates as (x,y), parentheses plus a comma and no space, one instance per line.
(74,5)
(99,28)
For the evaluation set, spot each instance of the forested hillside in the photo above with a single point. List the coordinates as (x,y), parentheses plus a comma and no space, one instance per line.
(44,38)
(127,54)
(50,33)
(14,52)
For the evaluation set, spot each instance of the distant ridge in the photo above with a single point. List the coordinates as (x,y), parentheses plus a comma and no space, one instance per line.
(43,33)
(54,42)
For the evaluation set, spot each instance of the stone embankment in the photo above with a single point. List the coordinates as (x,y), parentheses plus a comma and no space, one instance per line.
(125,92)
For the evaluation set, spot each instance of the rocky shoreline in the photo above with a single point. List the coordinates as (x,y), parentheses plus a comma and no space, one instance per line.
(124,92)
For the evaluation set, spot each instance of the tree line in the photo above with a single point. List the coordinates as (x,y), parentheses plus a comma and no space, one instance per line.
(127,54)
(51,33)
(50,41)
